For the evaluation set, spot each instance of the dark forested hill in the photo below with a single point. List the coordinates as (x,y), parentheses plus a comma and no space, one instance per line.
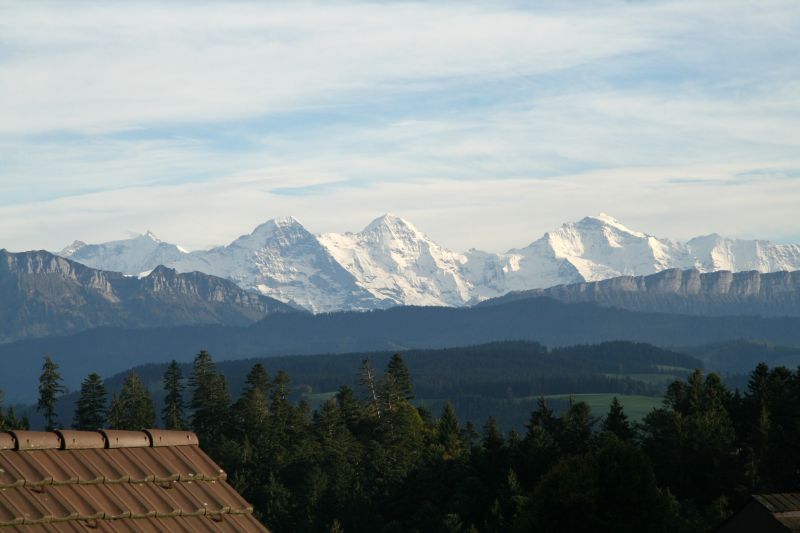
(42,294)
(111,350)
(499,379)
(683,291)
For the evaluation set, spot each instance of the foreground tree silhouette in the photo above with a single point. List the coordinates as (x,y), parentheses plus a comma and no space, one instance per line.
(133,408)
(172,413)
(90,408)
(50,388)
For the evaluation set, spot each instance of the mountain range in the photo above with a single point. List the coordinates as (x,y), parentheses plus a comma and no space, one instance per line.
(391,262)
(683,291)
(43,294)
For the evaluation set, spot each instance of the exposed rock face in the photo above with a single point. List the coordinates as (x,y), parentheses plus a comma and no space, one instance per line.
(43,294)
(685,291)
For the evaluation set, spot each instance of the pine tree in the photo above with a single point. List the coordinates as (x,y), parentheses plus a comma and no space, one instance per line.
(133,409)
(400,376)
(576,427)
(90,408)
(449,432)
(493,440)
(617,421)
(9,420)
(50,388)
(172,413)
(210,400)
(252,409)
(258,378)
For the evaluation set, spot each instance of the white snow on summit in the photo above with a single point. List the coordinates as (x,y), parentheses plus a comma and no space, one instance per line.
(393,259)
(391,262)
(130,256)
(282,259)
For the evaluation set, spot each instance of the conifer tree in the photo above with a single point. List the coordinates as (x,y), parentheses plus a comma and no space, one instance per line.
(90,408)
(576,427)
(450,432)
(210,399)
(616,421)
(492,437)
(252,409)
(133,409)
(50,388)
(172,413)
(9,420)
(401,377)
(258,378)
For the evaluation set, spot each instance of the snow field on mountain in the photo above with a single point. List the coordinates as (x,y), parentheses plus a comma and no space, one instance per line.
(391,262)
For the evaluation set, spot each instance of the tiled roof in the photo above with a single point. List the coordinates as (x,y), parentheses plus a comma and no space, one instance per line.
(152,480)
(785,507)
(780,503)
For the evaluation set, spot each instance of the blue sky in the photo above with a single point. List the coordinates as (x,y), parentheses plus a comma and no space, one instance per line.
(485,124)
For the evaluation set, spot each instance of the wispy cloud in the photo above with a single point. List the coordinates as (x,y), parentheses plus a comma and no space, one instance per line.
(504,118)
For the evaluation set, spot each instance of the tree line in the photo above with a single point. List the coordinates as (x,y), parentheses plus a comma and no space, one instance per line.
(370,460)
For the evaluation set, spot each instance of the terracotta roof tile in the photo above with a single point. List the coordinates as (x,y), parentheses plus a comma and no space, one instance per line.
(7,441)
(81,440)
(116,438)
(36,440)
(162,437)
(152,480)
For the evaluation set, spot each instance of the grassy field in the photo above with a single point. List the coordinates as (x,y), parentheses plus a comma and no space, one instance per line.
(636,407)
(650,379)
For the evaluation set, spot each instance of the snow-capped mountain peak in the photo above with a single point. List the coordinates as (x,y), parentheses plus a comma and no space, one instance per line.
(283,231)
(391,262)
(68,251)
(129,256)
(607,221)
(151,236)
(393,223)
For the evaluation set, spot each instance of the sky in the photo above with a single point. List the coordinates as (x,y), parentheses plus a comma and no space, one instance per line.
(484,123)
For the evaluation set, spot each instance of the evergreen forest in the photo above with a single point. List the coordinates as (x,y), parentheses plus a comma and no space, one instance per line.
(369,458)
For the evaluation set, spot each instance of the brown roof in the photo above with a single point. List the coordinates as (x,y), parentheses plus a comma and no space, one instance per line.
(152,480)
(785,507)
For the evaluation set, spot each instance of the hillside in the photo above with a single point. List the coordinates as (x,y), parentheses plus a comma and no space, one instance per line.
(496,379)
(42,294)
(683,291)
(111,350)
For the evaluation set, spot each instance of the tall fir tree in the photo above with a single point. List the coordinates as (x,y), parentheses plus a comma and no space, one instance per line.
(210,402)
(252,408)
(449,432)
(133,409)
(616,421)
(90,408)
(172,415)
(401,377)
(50,387)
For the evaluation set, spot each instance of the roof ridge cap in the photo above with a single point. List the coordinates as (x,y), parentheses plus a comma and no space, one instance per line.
(73,439)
